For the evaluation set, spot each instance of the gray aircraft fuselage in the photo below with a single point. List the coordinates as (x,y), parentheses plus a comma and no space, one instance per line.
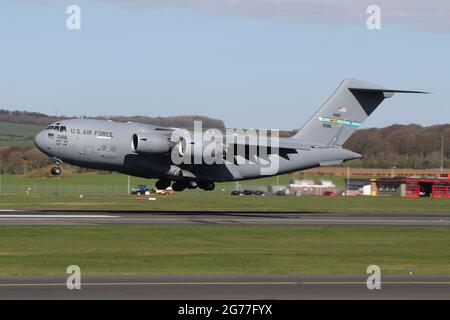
(107,145)
(114,146)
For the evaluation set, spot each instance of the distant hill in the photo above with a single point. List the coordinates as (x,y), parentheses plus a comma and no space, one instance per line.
(17,129)
(401,146)
(35,118)
(18,134)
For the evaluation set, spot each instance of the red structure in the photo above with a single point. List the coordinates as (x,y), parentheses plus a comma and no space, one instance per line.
(412,187)
(429,187)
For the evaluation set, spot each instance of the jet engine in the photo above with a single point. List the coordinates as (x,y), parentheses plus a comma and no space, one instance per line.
(200,149)
(150,143)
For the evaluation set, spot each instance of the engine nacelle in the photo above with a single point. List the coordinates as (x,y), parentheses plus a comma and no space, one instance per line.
(150,143)
(208,148)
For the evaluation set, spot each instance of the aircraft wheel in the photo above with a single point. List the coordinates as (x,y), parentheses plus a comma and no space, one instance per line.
(56,171)
(179,186)
(162,184)
(192,185)
(207,185)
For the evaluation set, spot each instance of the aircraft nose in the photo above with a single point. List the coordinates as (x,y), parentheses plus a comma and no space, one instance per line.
(39,140)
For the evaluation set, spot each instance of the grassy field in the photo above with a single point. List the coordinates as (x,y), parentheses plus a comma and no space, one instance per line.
(77,179)
(106,250)
(120,179)
(19,135)
(129,249)
(203,201)
(65,194)
(97,183)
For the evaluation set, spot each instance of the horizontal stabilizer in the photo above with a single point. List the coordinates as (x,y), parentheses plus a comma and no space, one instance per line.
(387,92)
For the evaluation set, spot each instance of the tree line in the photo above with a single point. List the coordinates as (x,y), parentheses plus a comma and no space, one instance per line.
(25,117)
(401,146)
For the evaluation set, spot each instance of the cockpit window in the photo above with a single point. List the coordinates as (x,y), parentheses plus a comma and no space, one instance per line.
(57,128)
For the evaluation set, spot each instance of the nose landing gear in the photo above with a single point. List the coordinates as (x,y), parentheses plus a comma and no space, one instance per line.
(56,171)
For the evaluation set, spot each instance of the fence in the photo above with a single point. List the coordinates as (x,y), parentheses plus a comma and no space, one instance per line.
(64,190)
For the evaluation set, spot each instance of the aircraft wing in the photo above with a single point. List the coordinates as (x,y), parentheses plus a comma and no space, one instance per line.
(282,143)
(281,146)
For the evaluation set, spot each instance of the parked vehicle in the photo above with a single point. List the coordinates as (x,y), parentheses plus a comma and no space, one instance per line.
(259,193)
(329,193)
(141,189)
(254,193)
(237,193)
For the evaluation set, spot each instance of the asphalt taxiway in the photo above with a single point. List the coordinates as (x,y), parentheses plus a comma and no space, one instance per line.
(34,217)
(241,287)
(255,287)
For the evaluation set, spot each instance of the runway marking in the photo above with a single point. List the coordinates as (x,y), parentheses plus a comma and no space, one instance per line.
(382,282)
(280,220)
(5,285)
(223,220)
(287,283)
(25,216)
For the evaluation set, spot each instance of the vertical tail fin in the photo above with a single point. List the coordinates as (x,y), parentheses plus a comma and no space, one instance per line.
(344,112)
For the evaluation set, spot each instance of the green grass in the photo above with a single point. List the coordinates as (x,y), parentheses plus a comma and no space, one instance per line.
(107,250)
(65,195)
(120,179)
(93,178)
(200,200)
(107,183)
(19,135)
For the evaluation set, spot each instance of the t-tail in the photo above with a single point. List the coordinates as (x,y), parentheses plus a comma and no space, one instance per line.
(344,112)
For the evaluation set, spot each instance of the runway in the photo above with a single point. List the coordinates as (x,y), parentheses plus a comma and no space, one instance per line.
(261,287)
(35,217)
(234,287)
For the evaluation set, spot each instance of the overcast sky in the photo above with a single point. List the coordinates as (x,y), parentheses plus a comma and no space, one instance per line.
(251,63)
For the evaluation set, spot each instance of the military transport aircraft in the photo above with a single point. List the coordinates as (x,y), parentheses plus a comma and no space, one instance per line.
(167,154)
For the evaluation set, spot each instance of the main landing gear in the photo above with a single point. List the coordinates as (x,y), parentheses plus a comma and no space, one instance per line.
(181,185)
(162,184)
(207,185)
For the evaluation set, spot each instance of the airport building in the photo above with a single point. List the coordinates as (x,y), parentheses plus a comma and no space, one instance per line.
(392,187)
(309,187)
(412,187)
